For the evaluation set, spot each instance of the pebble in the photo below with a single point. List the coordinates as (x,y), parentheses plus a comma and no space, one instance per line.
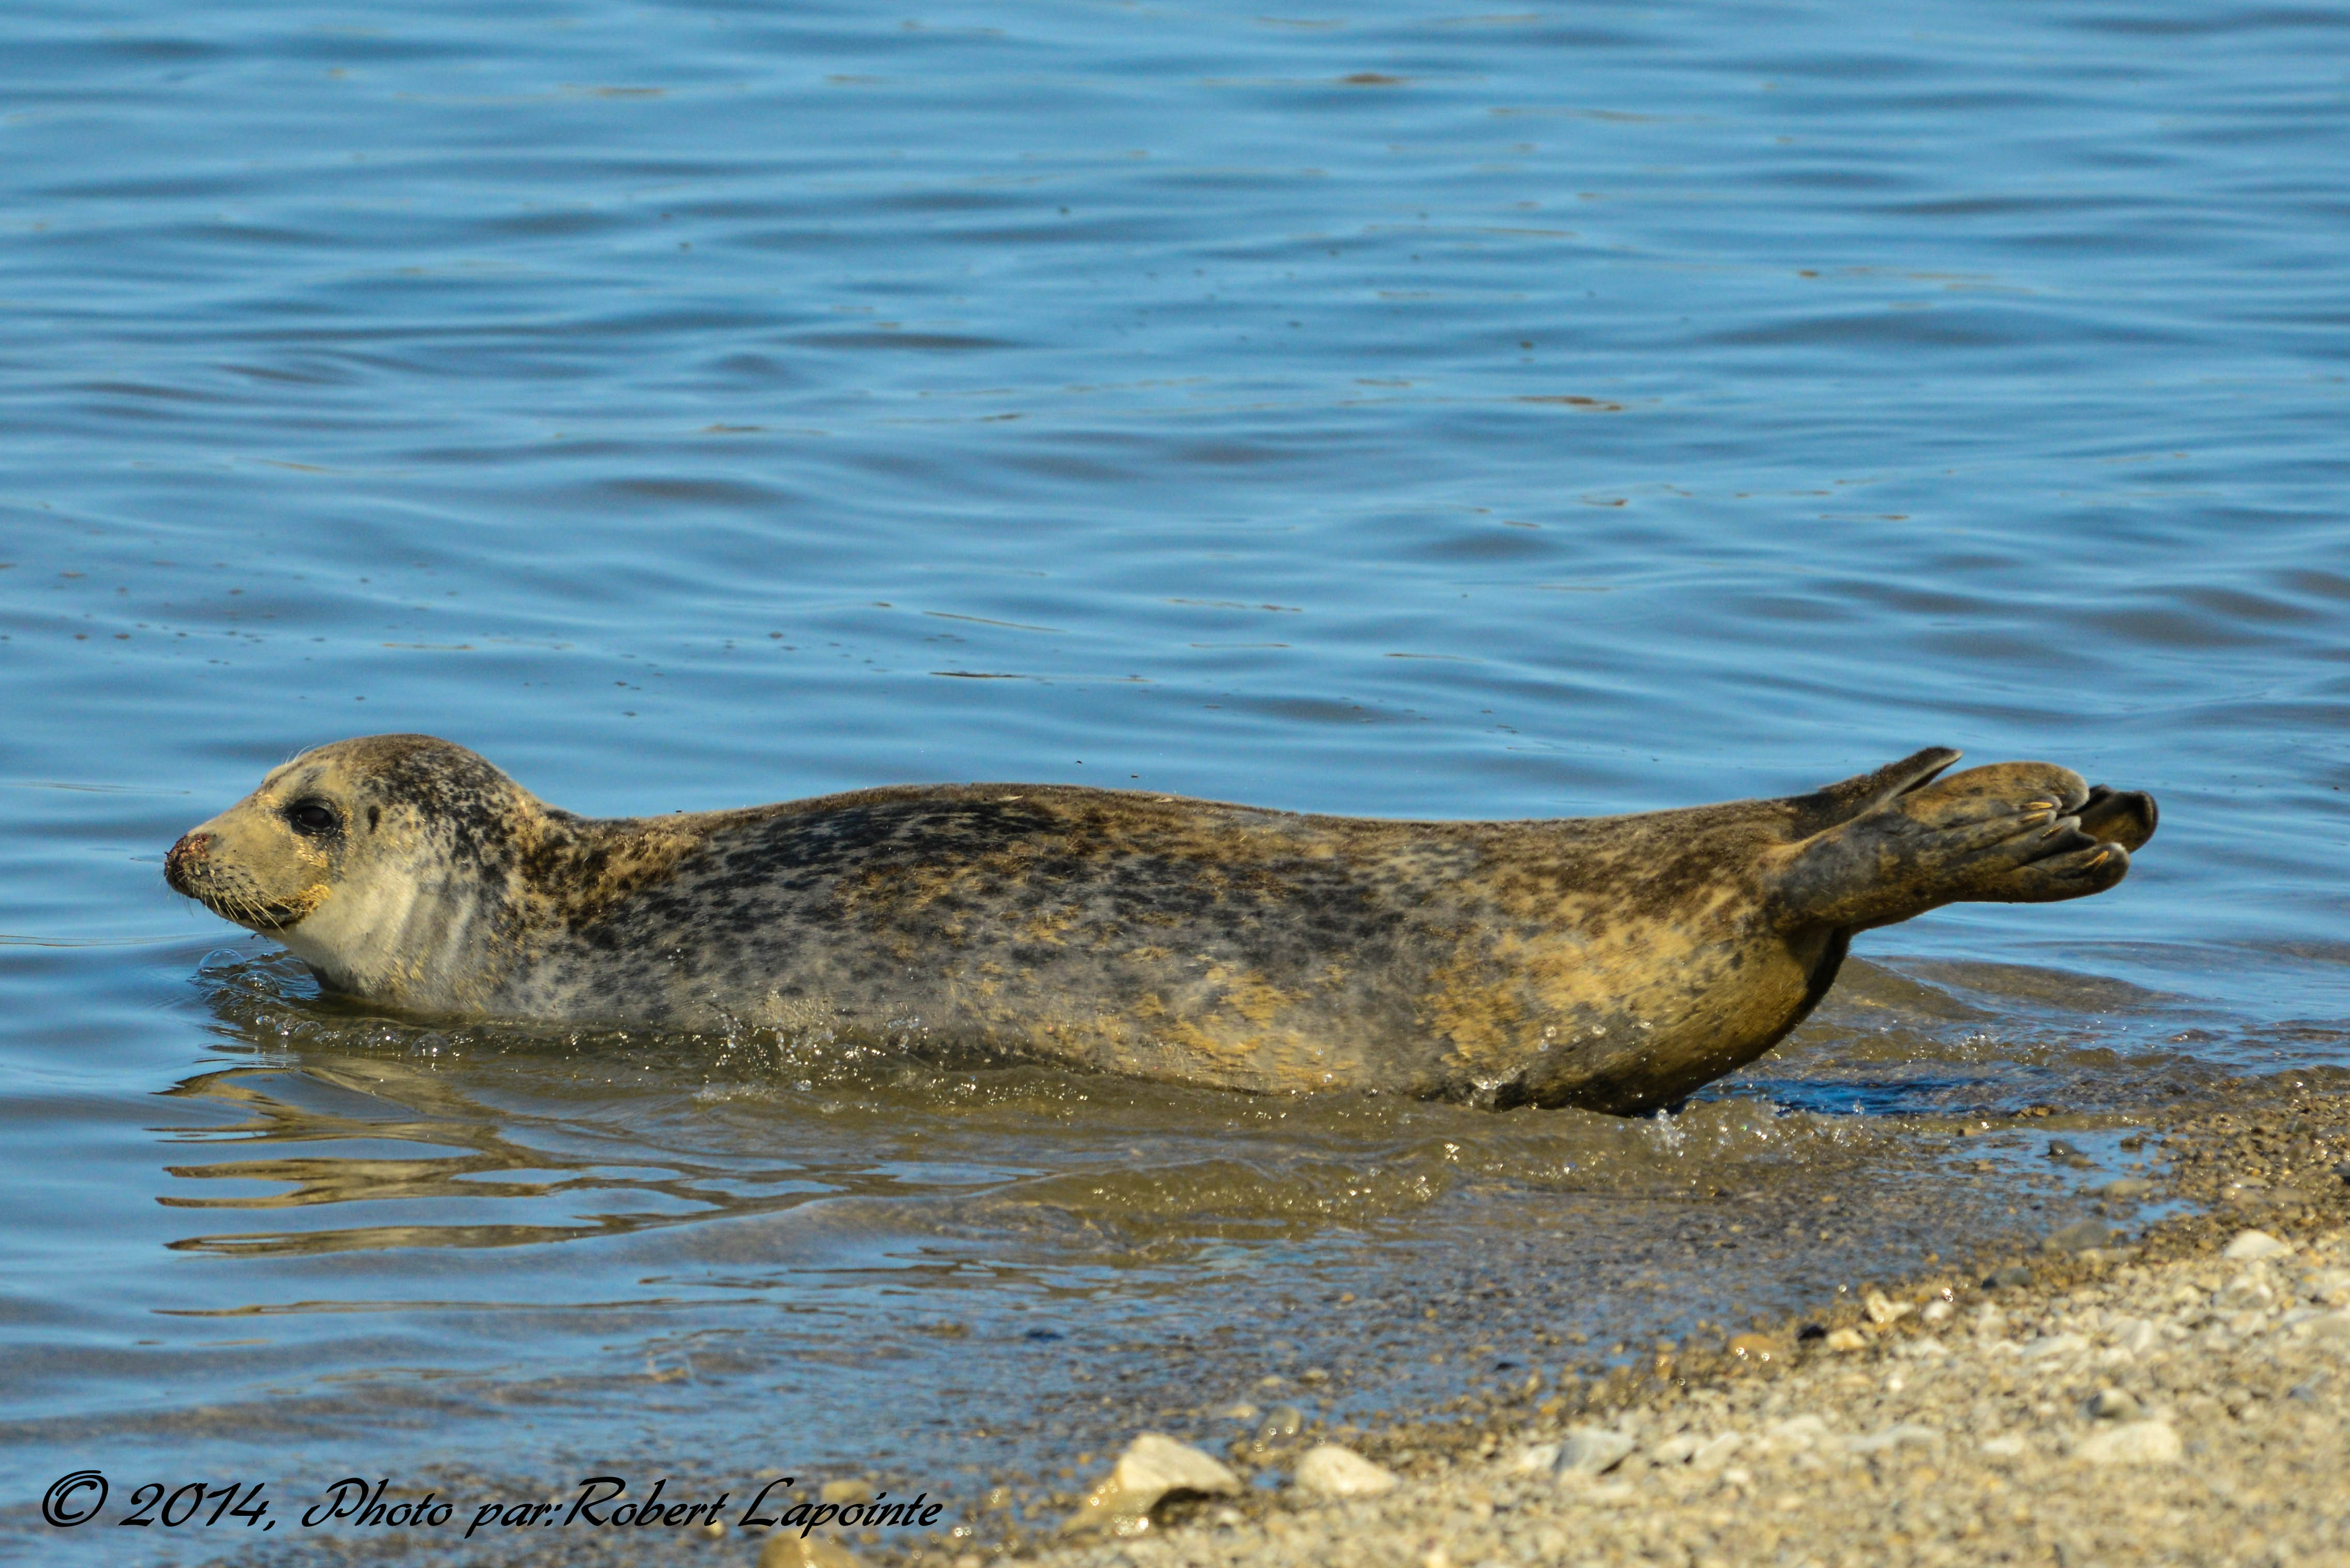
(1329,1470)
(1593,1450)
(846,1491)
(1674,1450)
(2133,1443)
(1893,1436)
(2079,1237)
(1154,1468)
(1717,1451)
(2248,1291)
(1757,1348)
(2332,1327)
(793,1550)
(2251,1246)
(1281,1422)
(2054,1344)
(2112,1405)
(1533,1460)
(2328,1287)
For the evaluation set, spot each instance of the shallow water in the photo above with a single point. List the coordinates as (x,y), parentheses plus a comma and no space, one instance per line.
(1389,412)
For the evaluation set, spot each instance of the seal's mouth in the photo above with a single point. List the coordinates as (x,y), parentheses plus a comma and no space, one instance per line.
(247,910)
(269,918)
(230,892)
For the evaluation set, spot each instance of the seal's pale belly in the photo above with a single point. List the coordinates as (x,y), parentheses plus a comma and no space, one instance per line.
(1614,962)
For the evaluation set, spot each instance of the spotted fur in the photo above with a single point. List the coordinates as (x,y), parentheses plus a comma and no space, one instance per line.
(1614,962)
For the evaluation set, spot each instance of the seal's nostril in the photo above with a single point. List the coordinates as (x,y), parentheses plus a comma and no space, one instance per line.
(192,848)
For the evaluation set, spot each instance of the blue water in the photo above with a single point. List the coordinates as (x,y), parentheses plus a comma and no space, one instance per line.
(1377,409)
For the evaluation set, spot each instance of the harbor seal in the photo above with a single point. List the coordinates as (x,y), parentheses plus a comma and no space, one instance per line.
(1611,963)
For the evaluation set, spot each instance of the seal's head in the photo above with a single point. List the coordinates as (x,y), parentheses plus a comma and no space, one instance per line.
(388,864)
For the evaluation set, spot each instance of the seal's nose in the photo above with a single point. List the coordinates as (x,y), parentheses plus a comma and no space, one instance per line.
(192,848)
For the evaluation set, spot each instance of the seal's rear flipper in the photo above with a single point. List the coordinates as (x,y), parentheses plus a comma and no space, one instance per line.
(2126,817)
(1824,808)
(2020,833)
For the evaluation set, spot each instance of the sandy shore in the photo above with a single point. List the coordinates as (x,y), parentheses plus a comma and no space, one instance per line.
(2181,1395)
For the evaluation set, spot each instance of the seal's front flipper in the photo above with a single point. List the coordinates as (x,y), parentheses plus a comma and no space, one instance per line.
(2019,833)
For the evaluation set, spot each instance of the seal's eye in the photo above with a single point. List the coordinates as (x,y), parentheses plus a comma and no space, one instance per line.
(312,818)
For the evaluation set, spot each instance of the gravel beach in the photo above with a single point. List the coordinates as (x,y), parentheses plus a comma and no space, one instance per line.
(2180,1395)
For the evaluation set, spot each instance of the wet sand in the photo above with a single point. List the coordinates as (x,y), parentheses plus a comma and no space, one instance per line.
(2183,1396)
(2113,1393)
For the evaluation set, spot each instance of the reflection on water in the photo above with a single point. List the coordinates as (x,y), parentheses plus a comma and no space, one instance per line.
(1412,413)
(483,1137)
(621,1133)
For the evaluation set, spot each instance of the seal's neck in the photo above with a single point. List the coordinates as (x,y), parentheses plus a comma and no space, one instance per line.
(433,920)
(447,921)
